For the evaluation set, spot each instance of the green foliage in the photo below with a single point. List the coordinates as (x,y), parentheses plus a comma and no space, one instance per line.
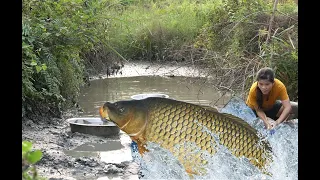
(64,41)
(239,29)
(232,26)
(29,159)
(54,34)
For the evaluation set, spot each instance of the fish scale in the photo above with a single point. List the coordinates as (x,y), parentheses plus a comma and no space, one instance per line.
(224,127)
(182,127)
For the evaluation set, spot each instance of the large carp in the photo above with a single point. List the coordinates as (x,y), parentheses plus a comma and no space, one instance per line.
(171,123)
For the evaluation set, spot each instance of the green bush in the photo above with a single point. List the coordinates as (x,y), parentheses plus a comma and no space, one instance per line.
(54,35)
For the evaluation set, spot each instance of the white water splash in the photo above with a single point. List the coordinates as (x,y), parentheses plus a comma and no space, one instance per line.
(159,163)
(285,147)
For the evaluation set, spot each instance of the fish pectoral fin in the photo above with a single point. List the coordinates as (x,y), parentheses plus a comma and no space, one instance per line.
(191,172)
(266,172)
(142,149)
(141,146)
(195,169)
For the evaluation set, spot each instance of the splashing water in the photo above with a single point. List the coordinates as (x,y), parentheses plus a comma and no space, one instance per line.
(160,163)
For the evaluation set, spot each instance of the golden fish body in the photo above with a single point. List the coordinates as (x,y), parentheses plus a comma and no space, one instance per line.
(171,123)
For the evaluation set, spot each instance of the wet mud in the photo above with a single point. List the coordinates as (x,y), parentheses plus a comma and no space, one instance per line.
(54,138)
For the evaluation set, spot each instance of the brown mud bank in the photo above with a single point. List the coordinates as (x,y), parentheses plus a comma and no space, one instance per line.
(54,138)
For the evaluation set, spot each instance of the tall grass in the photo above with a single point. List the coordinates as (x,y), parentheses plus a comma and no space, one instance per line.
(147,31)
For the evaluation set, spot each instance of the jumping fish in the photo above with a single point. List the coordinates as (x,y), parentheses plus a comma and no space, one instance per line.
(171,123)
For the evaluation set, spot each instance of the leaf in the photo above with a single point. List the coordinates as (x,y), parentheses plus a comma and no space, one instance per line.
(26,176)
(46,34)
(25,46)
(26,146)
(33,63)
(38,68)
(41,26)
(34,156)
(44,67)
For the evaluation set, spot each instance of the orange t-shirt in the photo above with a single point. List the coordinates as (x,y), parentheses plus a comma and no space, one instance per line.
(278,92)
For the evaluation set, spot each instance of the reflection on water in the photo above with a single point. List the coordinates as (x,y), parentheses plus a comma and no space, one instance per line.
(94,149)
(108,146)
(112,151)
(84,121)
(193,90)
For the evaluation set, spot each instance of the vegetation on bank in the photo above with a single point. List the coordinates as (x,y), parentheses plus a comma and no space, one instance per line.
(29,158)
(66,41)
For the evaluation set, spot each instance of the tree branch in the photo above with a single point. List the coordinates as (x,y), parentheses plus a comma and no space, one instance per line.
(271,19)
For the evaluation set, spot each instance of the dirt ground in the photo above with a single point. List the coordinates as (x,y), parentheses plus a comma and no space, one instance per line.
(53,137)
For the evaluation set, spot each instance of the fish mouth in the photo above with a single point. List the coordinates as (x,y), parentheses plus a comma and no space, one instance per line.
(104,116)
(103,111)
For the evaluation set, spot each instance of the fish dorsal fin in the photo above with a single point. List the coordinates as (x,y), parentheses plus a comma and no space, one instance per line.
(210,108)
(239,121)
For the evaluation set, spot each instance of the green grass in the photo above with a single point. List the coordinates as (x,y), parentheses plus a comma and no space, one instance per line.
(156,26)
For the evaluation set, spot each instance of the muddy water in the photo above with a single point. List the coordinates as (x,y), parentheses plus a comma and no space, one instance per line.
(190,89)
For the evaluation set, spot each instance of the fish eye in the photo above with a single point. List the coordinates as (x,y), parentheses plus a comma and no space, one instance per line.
(121,110)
